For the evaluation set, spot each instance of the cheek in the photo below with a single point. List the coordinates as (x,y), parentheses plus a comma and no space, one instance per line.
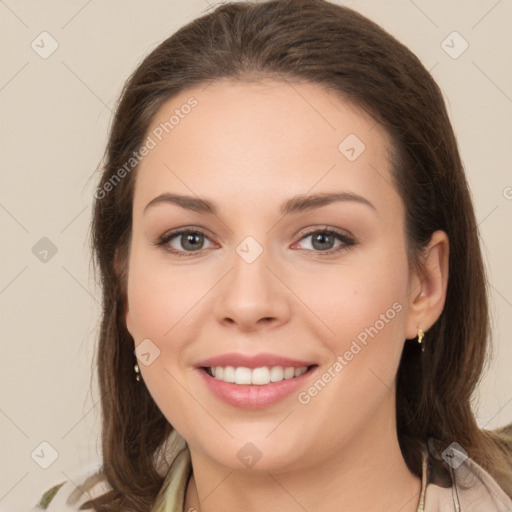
(364,308)
(161,308)
(160,298)
(360,300)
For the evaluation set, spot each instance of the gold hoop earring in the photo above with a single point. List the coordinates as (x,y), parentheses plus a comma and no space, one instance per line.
(137,372)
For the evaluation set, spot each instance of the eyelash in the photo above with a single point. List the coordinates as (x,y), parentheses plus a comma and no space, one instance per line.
(167,237)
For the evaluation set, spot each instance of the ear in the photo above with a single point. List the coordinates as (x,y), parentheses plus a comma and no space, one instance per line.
(122,275)
(427,291)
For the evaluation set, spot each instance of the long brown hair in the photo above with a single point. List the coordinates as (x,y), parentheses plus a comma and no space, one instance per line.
(323,43)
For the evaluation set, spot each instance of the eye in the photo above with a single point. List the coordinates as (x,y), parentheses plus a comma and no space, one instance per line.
(183,241)
(323,240)
(190,241)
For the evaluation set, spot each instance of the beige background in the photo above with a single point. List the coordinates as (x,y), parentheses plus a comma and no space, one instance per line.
(54,118)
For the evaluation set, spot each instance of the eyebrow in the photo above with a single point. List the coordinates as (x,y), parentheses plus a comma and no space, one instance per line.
(296,204)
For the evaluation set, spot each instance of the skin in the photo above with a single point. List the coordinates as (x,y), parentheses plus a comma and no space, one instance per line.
(249,147)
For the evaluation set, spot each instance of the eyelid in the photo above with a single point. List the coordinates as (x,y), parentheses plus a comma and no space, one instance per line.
(309,230)
(185,229)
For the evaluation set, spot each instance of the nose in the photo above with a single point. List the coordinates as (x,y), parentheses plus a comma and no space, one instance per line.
(252,296)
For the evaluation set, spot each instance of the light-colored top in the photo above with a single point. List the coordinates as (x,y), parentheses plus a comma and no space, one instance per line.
(458,486)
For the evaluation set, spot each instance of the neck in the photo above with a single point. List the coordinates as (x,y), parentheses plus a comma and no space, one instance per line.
(369,473)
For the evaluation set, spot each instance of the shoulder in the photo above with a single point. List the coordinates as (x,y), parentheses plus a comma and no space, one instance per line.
(90,482)
(456,482)
(477,488)
(69,495)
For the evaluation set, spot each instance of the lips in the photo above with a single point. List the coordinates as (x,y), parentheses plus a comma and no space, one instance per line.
(255,381)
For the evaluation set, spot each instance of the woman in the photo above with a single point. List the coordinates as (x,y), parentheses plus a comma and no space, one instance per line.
(295,307)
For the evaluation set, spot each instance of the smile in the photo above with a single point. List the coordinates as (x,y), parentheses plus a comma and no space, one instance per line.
(256,387)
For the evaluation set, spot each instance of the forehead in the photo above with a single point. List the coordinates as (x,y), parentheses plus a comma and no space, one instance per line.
(263,140)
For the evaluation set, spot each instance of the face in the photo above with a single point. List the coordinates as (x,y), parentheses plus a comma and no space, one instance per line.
(287,256)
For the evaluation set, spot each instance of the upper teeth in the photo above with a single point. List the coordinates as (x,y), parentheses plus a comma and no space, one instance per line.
(258,376)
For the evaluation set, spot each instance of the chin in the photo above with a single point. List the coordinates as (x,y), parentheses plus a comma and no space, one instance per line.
(259,454)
